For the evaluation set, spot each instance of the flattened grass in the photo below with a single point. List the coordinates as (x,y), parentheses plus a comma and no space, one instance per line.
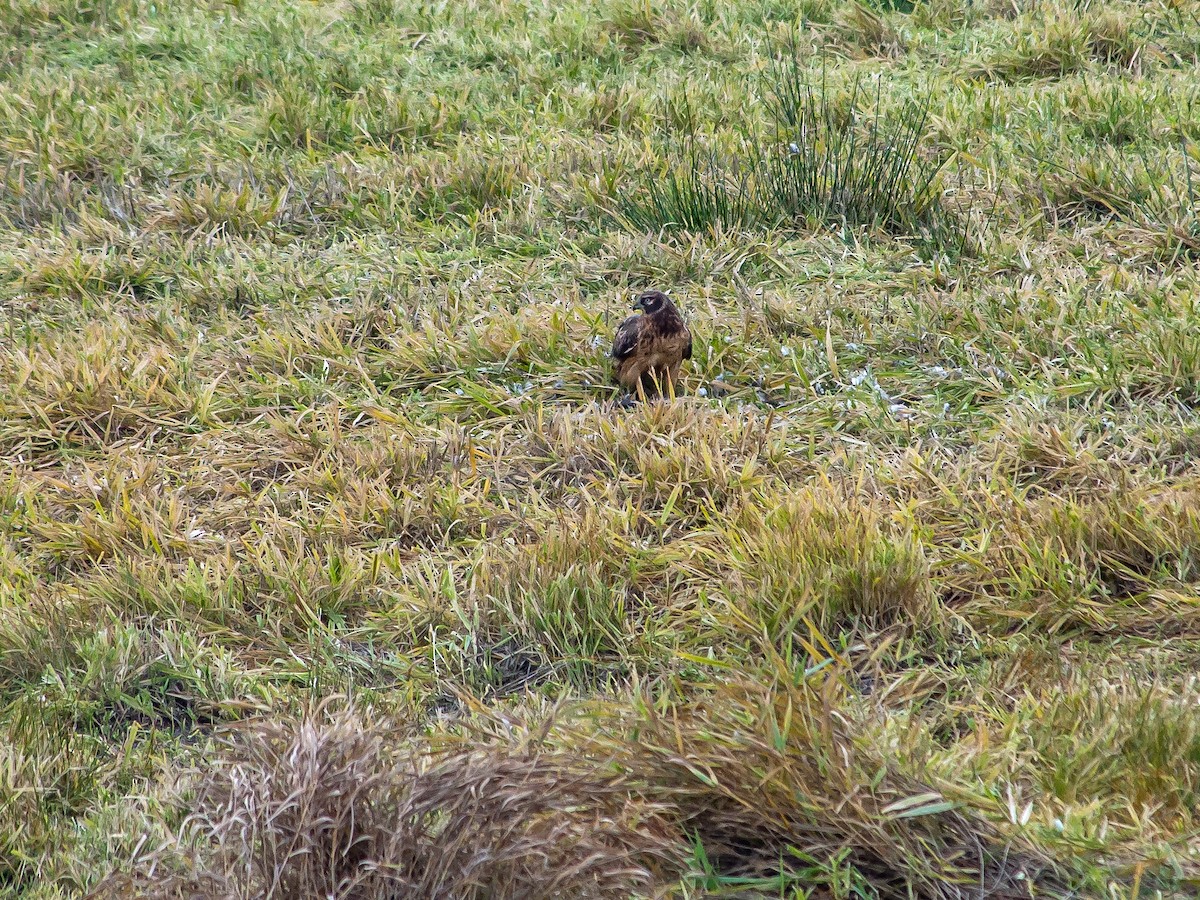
(304,319)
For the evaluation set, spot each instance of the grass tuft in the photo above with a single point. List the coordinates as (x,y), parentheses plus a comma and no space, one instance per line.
(814,556)
(330,807)
(827,162)
(767,778)
(305,318)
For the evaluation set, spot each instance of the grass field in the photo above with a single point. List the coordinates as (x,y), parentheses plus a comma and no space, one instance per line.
(329,566)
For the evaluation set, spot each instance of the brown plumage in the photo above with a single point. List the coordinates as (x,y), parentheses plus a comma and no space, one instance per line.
(649,349)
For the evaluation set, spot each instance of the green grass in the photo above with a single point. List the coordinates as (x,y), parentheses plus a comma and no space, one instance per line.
(823,161)
(313,485)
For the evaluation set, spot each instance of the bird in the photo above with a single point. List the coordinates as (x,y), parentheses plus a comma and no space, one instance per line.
(649,349)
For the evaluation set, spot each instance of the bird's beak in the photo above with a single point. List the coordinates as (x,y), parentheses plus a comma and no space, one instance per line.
(637,304)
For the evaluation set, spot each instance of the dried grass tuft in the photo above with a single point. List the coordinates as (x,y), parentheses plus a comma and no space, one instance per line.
(335,809)
(768,777)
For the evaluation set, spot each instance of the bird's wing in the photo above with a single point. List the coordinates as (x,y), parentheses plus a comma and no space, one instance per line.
(626,341)
(687,348)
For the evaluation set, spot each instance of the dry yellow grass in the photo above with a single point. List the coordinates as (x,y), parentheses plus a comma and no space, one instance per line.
(312,478)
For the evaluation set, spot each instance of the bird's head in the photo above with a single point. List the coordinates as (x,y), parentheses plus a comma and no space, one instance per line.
(651,302)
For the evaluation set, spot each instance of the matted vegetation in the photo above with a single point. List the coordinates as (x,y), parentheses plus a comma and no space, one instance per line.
(329,564)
